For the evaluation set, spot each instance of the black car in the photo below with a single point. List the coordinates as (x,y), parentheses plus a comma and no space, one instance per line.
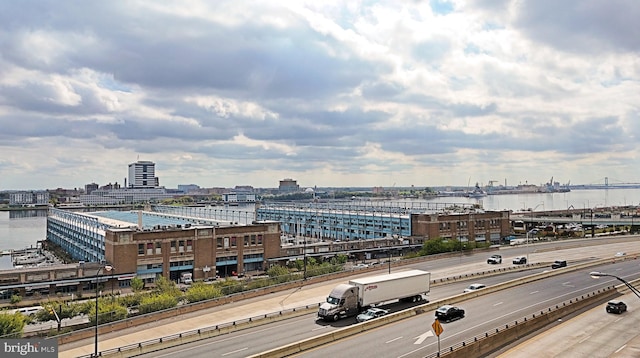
(615,306)
(448,313)
(558,264)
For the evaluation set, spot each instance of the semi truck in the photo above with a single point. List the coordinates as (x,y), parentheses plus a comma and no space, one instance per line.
(349,299)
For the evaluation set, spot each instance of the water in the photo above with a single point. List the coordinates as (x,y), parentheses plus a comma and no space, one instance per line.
(22,229)
(575,199)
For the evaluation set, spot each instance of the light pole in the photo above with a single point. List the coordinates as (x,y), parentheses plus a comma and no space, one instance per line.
(107,268)
(596,274)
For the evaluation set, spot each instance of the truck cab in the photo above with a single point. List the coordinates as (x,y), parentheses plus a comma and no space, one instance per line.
(341,302)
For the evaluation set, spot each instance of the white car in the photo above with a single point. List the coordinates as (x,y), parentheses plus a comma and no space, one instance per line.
(360,266)
(620,254)
(474,287)
(371,313)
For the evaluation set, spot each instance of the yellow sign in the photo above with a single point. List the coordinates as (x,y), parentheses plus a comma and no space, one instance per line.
(437,327)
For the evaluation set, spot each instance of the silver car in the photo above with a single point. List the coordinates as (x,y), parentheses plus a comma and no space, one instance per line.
(371,313)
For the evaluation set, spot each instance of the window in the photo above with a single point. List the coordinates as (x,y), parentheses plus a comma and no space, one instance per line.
(259,239)
(181,246)
(233,241)
(173,247)
(150,248)
(246,240)
(140,249)
(219,242)
(189,245)
(158,248)
(253,239)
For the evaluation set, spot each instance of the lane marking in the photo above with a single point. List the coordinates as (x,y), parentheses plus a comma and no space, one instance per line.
(619,349)
(584,339)
(531,293)
(236,351)
(319,328)
(393,340)
(497,304)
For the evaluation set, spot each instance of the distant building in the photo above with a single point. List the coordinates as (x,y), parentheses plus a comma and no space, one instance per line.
(29,198)
(143,187)
(145,244)
(288,186)
(142,174)
(239,198)
(89,188)
(187,188)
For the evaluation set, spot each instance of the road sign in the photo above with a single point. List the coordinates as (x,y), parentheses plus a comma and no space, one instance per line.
(437,327)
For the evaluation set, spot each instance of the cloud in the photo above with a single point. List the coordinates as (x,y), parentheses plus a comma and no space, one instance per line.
(329,93)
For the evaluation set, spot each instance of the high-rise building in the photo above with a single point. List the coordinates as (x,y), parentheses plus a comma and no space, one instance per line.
(142,174)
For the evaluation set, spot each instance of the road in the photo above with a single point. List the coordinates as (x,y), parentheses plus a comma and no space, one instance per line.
(411,337)
(573,250)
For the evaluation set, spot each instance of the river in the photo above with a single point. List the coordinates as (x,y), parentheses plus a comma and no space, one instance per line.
(22,229)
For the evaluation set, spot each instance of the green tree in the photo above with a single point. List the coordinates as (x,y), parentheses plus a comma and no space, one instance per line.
(137,284)
(108,311)
(164,285)
(277,270)
(157,302)
(12,325)
(200,291)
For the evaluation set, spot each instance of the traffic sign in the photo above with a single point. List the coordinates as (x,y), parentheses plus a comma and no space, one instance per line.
(437,327)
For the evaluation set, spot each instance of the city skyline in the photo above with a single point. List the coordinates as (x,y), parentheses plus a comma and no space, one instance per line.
(331,94)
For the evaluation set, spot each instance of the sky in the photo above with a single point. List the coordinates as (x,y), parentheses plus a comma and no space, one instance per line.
(328,93)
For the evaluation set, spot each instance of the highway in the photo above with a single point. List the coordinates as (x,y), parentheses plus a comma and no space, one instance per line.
(412,337)
(253,341)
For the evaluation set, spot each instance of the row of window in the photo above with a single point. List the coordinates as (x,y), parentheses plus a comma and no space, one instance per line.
(155,248)
(248,240)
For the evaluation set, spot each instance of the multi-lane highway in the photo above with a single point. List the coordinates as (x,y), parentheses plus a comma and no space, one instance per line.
(411,337)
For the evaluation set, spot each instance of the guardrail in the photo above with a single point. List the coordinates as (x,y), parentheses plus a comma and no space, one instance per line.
(207,332)
(314,342)
(479,346)
(203,333)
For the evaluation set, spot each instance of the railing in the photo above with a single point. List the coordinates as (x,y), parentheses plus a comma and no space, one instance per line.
(206,332)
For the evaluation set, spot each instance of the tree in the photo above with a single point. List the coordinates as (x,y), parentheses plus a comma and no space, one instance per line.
(137,284)
(200,291)
(11,325)
(165,286)
(157,303)
(108,311)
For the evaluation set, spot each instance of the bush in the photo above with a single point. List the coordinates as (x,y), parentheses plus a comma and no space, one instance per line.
(12,325)
(15,299)
(157,303)
(108,311)
(200,291)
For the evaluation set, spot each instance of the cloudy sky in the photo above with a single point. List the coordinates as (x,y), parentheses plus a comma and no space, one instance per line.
(329,93)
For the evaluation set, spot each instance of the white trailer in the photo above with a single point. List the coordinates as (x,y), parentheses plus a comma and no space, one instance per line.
(406,284)
(349,299)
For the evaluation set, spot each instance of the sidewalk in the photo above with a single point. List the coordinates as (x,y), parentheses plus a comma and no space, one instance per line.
(306,295)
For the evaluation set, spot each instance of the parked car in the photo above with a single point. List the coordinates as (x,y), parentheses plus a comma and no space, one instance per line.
(620,254)
(520,260)
(371,313)
(494,259)
(615,306)
(558,264)
(474,287)
(448,313)
(360,266)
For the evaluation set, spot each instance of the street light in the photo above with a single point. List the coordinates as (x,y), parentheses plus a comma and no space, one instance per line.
(596,274)
(107,268)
